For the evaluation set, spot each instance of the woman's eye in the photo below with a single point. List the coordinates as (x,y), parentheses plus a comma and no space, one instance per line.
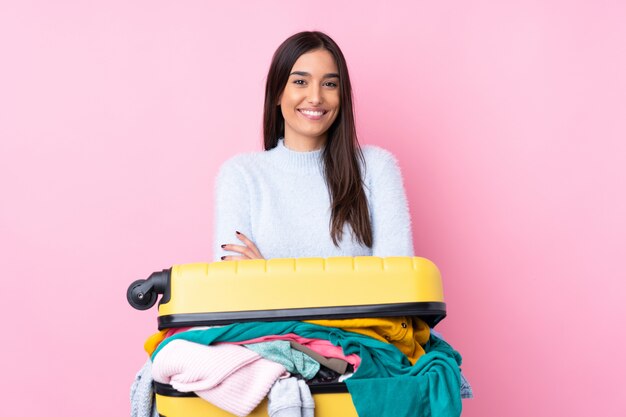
(299,82)
(330,84)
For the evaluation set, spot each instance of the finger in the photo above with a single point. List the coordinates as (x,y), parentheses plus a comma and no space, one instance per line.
(248,243)
(233,258)
(244,250)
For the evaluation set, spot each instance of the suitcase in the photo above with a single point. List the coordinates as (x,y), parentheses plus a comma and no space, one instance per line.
(206,294)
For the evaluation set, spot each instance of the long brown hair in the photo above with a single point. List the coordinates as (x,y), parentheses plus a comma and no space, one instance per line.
(342,152)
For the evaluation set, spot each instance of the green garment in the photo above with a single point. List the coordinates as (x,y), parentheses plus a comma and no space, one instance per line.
(385,384)
(432,390)
(294,361)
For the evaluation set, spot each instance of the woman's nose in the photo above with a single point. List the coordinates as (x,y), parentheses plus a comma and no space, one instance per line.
(315,96)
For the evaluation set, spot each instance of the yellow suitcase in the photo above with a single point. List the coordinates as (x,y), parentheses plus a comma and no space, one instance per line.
(205,294)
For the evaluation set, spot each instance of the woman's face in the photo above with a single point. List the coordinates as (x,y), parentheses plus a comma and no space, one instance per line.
(310,100)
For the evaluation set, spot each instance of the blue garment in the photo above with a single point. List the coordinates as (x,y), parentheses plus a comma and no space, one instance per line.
(466,388)
(142,402)
(294,361)
(431,385)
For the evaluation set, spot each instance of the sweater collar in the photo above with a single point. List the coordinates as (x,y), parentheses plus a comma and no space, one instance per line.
(295,161)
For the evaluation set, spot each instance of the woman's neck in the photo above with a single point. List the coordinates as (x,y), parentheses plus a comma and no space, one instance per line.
(304,144)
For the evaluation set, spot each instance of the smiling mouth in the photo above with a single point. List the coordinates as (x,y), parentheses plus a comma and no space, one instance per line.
(312,114)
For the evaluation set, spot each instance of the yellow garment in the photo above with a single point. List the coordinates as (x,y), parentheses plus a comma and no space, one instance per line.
(153,341)
(408,334)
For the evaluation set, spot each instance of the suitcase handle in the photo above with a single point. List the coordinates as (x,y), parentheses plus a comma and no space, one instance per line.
(142,294)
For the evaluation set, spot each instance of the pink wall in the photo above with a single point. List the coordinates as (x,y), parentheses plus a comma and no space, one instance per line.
(508,119)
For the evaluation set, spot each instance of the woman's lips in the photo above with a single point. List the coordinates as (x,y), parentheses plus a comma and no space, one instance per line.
(312,114)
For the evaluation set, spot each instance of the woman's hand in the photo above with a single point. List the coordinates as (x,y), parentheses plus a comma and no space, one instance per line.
(248,250)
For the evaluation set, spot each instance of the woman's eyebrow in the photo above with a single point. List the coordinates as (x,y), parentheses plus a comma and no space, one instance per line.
(306,74)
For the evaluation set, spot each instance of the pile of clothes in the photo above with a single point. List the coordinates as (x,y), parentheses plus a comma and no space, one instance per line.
(391,366)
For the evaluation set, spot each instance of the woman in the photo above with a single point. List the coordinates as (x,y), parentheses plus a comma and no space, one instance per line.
(313,192)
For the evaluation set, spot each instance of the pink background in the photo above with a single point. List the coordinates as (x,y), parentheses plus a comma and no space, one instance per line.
(508,119)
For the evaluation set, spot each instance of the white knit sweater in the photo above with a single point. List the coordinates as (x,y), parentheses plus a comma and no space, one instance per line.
(279,199)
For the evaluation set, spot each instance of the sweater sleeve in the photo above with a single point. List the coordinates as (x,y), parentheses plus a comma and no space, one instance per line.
(391,221)
(232,207)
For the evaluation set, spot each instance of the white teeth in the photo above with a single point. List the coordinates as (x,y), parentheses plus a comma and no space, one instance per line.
(312,113)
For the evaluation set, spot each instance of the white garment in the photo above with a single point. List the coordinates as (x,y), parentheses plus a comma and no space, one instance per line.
(290,397)
(279,199)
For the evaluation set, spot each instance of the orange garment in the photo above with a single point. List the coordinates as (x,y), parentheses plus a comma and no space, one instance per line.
(408,334)
(154,341)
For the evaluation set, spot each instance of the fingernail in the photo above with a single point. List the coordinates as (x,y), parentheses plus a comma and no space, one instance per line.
(223,246)
(237,232)
(223,257)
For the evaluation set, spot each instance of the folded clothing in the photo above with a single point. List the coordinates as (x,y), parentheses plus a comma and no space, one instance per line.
(141,394)
(338,365)
(280,351)
(231,377)
(322,346)
(290,397)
